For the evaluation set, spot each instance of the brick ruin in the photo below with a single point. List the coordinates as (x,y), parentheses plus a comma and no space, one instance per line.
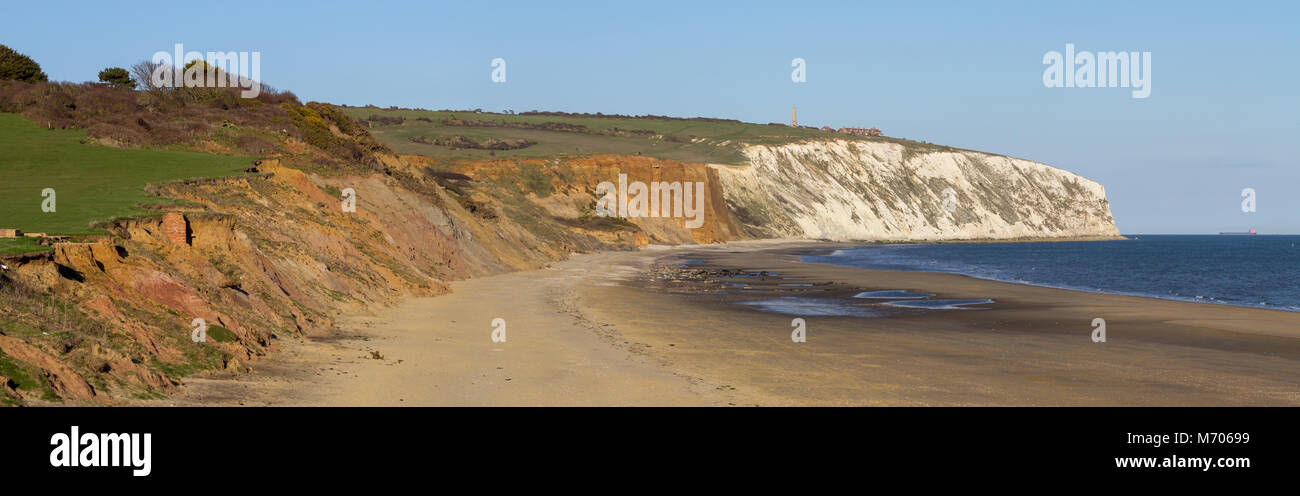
(176,228)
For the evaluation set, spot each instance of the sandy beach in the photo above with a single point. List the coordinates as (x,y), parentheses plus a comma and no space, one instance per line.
(640,328)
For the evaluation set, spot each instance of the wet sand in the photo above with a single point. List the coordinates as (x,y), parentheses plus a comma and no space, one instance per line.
(618,329)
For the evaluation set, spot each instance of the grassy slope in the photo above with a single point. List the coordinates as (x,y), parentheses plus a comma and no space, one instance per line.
(91,182)
(720,142)
(16,246)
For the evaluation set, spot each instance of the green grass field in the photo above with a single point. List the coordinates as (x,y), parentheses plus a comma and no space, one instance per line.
(90,182)
(18,246)
(676,139)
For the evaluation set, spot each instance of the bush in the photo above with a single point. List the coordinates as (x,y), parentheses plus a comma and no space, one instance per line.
(19,67)
(116,77)
(134,118)
(387,121)
(316,124)
(171,117)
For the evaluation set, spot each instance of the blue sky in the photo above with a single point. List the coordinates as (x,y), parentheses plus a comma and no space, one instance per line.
(1222,115)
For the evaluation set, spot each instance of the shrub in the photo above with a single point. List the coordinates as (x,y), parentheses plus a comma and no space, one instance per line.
(19,67)
(116,77)
(316,122)
(386,121)
(167,117)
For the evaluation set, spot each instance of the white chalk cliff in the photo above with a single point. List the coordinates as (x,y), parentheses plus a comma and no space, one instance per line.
(866,190)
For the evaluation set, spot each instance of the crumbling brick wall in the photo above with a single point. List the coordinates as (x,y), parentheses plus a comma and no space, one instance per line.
(176,228)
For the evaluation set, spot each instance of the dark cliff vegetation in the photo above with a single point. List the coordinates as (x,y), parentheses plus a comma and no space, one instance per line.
(15,66)
(458,142)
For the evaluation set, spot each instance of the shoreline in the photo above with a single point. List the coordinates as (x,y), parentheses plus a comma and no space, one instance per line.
(594,330)
(1210,301)
(1058,239)
(1031,347)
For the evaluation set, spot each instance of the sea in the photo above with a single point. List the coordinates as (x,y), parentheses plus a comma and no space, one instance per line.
(1243,270)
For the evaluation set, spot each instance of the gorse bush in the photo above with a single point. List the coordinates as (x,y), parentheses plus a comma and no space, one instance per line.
(328,128)
(15,66)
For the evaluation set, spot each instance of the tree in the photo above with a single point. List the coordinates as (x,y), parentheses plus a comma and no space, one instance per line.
(116,77)
(143,73)
(19,67)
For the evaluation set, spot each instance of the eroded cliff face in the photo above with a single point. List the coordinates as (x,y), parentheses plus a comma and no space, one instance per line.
(566,189)
(266,257)
(273,255)
(862,190)
(842,190)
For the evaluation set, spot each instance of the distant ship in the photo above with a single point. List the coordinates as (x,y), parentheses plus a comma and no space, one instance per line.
(1252,231)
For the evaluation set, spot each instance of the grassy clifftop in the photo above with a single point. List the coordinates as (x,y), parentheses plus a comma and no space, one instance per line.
(90,182)
(470,135)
